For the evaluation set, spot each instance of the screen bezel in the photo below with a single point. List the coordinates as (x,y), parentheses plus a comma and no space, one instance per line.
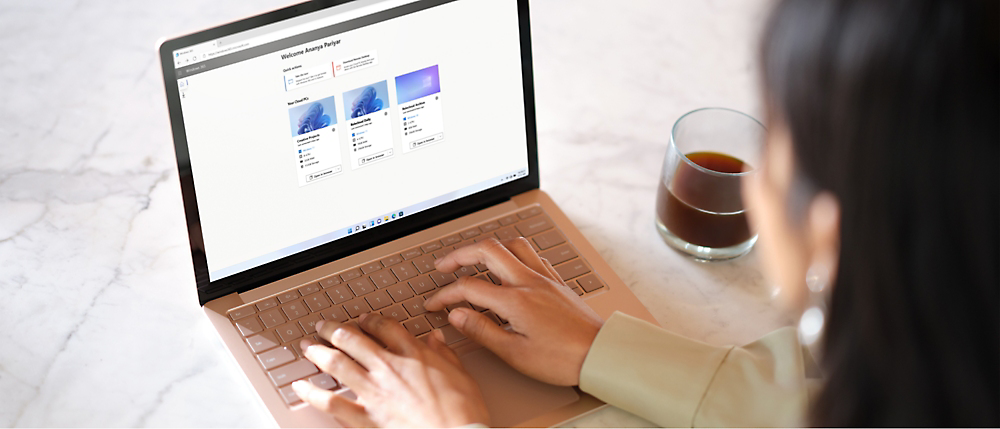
(323,254)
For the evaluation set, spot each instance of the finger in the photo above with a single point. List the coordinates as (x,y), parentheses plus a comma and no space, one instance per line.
(482,330)
(353,342)
(389,332)
(347,411)
(435,341)
(552,273)
(490,252)
(523,251)
(476,291)
(340,366)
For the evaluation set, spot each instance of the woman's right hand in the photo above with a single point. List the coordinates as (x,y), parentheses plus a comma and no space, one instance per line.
(552,329)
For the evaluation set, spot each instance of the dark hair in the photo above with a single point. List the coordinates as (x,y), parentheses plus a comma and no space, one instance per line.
(894,107)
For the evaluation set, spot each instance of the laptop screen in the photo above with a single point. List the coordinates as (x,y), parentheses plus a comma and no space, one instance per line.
(341,121)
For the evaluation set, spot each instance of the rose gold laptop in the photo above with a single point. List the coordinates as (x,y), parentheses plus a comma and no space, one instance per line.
(329,151)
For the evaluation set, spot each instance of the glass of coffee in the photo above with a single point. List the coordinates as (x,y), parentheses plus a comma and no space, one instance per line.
(699,206)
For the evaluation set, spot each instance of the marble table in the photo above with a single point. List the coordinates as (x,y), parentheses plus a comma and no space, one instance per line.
(100,323)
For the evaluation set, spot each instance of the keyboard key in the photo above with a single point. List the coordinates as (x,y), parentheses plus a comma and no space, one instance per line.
(378,300)
(444,252)
(417,326)
(414,306)
(404,271)
(392,260)
(309,288)
(272,317)
(308,323)
(441,279)
(533,226)
(534,211)
(289,395)
(421,284)
(412,253)
(295,310)
(571,269)
(489,226)
(291,295)
(350,274)
(263,341)
(291,372)
(329,282)
(508,233)
(590,283)
(509,219)
(267,304)
(424,264)
(466,271)
(438,318)
(357,307)
(469,233)
(323,381)
(242,312)
(451,240)
(316,302)
(578,291)
(395,312)
(340,294)
(493,278)
(289,332)
(249,325)
(451,335)
(400,292)
(549,239)
(371,267)
(361,286)
(431,247)
(335,313)
(559,254)
(478,308)
(463,244)
(482,268)
(383,279)
(276,357)
(483,277)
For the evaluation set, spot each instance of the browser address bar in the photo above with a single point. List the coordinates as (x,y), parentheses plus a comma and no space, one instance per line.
(335,15)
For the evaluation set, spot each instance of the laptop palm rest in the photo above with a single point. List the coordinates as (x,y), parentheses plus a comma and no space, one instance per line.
(512,397)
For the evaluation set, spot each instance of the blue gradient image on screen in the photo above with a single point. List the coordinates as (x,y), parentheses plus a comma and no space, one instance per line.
(367,99)
(309,117)
(418,84)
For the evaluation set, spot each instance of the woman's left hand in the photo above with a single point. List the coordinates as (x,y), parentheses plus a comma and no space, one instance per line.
(408,384)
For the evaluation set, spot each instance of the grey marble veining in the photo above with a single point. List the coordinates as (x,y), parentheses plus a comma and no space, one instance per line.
(100,324)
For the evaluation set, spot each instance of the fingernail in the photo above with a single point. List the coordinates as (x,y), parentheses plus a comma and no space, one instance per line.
(362,317)
(319,325)
(437,262)
(457,317)
(300,385)
(304,344)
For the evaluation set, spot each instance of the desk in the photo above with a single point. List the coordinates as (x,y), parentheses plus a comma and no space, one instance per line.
(101,325)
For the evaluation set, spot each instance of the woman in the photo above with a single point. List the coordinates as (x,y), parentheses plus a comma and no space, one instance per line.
(877,208)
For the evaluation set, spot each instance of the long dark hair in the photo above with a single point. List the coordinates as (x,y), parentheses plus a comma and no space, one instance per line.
(894,107)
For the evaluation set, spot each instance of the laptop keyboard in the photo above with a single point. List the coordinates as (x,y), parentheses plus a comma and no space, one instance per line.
(396,286)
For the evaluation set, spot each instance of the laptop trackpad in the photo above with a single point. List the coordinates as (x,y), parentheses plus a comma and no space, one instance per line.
(512,397)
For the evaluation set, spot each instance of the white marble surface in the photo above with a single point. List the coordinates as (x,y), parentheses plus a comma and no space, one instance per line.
(100,324)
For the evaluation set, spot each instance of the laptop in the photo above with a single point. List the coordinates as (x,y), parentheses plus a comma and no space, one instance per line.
(328,152)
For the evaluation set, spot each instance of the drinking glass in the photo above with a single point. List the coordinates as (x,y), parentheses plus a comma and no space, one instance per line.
(699,206)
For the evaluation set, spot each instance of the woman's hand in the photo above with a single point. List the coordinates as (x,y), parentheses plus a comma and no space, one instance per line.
(409,384)
(552,328)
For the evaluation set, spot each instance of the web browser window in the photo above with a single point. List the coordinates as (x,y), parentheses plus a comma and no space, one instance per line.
(300,141)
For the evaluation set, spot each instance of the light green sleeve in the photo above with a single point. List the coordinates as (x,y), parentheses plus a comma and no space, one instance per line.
(675,381)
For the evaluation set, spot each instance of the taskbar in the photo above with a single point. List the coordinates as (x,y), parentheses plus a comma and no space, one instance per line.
(367,224)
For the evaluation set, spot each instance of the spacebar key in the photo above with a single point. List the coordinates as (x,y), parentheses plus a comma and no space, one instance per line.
(291,372)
